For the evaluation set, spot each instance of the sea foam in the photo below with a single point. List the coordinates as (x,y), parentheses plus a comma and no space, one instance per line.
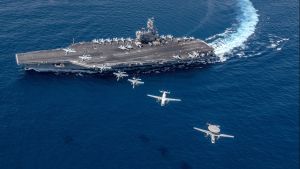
(239,33)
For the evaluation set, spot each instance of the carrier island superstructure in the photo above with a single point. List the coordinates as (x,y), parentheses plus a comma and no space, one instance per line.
(148,51)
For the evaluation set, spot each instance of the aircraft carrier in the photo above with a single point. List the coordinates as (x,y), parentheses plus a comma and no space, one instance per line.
(149,51)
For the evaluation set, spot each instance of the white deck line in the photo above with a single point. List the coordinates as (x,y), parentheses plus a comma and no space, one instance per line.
(17,60)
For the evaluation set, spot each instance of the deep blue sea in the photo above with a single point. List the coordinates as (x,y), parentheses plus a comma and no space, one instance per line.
(50,121)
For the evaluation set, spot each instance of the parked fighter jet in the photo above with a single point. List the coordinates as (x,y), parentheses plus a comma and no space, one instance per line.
(68,50)
(122,47)
(85,57)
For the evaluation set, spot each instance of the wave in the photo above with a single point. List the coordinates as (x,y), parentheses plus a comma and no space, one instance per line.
(238,34)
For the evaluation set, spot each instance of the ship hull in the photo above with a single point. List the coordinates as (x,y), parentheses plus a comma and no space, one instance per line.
(48,68)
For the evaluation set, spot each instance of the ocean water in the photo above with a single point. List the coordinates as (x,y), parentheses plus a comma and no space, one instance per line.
(52,121)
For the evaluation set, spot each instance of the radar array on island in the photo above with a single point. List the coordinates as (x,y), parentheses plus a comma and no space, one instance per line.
(148,51)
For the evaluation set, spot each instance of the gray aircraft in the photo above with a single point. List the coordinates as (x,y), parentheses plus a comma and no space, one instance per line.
(120,75)
(68,50)
(85,57)
(214,132)
(122,47)
(135,82)
(163,99)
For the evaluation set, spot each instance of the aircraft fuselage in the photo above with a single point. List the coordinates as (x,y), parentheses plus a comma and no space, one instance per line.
(163,99)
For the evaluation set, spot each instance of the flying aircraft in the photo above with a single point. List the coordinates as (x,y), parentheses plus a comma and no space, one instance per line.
(214,132)
(120,75)
(163,99)
(85,57)
(122,47)
(68,50)
(135,82)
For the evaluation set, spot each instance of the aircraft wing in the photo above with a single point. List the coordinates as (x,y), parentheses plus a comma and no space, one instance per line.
(156,97)
(138,82)
(130,80)
(225,135)
(171,99)
(201,130)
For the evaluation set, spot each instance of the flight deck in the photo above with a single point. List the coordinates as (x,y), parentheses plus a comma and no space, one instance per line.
(147,51)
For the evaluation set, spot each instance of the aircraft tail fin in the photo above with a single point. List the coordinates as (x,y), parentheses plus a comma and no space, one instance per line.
(163,91)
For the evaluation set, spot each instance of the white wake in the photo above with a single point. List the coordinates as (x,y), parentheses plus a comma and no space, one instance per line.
(238,34)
